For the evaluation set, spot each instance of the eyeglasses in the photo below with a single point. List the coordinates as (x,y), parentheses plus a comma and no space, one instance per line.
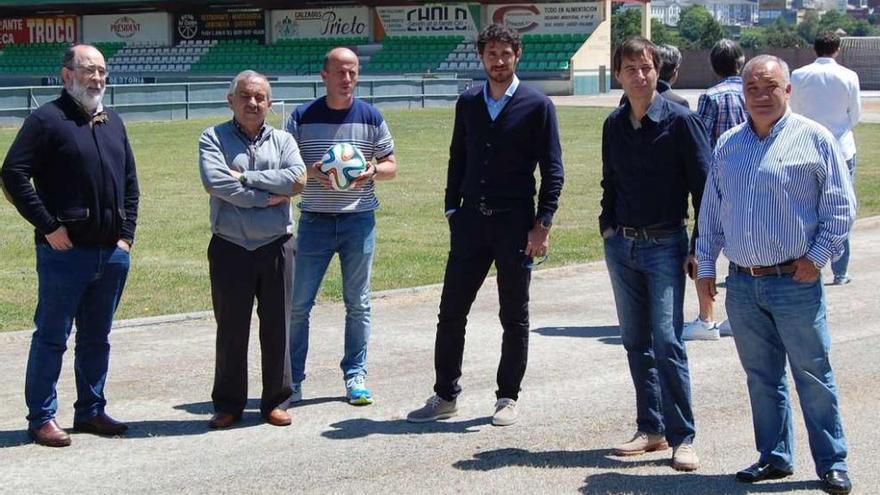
(530,262)
(91,70)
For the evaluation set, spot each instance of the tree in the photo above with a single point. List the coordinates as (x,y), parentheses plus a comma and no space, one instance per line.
(809,27)
(625,24)
(780,34)
(663,34)
(697,26)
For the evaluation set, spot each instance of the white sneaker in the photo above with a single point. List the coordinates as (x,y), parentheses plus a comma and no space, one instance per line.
(505,412)
(700,330)
(724,329)
(297,392)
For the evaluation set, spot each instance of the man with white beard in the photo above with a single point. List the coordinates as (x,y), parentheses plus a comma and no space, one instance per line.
(83,205)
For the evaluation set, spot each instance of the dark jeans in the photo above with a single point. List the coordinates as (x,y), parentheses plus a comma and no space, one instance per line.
(648,283)
(82,285)
(237,277)
(476,242)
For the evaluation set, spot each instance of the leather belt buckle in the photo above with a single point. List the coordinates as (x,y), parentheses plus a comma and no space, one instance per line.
(484,210)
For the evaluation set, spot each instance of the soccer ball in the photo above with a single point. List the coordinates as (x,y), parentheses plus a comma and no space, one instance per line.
(343,162)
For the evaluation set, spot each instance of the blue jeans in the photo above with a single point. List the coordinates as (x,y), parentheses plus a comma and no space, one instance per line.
(839,266)
(648,283)
(774,318)
(319,237)
(81,285)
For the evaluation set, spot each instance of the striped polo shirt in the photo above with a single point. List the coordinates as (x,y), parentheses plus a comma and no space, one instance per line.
(317,127)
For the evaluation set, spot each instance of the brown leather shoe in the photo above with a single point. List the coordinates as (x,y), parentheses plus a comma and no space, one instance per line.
(101,424)
(222,420)
(278,417)
(50,435)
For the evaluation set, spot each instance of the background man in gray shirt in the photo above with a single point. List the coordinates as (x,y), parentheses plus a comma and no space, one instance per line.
(250,170)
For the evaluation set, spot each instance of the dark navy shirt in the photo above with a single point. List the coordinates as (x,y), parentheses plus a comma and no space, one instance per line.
(648,172)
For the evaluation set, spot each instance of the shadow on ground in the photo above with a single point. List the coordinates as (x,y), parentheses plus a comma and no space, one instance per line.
(686,483)
(618,482)
(363,427)
(607,334)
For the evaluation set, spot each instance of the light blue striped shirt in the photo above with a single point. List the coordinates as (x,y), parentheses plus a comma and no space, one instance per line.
(772,200)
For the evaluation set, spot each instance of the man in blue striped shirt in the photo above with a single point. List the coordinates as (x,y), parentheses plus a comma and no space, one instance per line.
(338,222)
(779,202)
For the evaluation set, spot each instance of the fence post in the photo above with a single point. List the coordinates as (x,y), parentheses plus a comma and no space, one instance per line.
(186,97)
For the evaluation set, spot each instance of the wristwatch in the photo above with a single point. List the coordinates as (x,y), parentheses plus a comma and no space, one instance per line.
(243,179)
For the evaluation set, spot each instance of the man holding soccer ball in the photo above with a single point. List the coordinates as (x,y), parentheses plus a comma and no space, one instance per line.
(503,130)
(338,218)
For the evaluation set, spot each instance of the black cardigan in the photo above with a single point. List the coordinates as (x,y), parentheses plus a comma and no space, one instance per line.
(83,177)
(494,162)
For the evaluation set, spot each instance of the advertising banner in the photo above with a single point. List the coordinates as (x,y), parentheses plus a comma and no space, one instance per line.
(575,17)
(428,20)
(22,30)
(341,22)
(221,25)
(154,27)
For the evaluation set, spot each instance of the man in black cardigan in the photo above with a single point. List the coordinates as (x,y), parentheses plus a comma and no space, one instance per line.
(503,130)
(83,205)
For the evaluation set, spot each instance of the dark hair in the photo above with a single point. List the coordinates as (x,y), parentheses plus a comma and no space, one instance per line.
(670,61)
(727,58)
(634,46)
(499,33)
(826,44)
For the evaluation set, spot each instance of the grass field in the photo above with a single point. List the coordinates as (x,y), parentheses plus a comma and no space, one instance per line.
(169,266)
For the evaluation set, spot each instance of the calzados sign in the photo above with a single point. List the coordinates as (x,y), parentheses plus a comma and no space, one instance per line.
(318,23)
(21,30)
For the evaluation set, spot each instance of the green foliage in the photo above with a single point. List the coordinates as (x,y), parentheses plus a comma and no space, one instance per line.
(697,26)
(664,35)
(625,24)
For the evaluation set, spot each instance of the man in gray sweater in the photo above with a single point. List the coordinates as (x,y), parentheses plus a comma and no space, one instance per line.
(250,170)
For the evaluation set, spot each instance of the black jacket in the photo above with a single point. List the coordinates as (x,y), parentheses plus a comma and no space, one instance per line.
(83,176)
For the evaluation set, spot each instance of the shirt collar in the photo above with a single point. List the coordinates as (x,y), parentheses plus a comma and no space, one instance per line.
(663,86)
(657,110)
(256,138)
(777,127)
(733,79)
(826,60)
(507,94)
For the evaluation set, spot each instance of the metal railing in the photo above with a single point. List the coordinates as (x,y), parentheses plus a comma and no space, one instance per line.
(185,100)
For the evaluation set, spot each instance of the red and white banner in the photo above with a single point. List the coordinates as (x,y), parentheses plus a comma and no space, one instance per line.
(154,27)
(339,22)
(546,18)
(21,30)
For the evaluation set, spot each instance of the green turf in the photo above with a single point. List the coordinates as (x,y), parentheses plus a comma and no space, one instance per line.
(169,267)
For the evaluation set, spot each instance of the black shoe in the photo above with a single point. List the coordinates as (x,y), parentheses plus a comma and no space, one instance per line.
(761,471)
(836,481)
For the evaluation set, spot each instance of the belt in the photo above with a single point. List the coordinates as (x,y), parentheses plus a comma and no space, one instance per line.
(641,233)
(763,271)
(486,210)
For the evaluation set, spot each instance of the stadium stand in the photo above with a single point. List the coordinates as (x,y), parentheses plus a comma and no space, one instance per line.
(42,58)
(542,52)
(412,53)
(291,56)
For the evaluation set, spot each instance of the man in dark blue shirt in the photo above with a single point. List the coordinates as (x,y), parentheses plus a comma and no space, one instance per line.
(503,130)
(654,153)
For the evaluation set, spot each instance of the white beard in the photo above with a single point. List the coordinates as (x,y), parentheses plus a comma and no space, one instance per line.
(82,95)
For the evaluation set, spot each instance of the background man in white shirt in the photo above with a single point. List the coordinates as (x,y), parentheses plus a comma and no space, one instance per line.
(829,94)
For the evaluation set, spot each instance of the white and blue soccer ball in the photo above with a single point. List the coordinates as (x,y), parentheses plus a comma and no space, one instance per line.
(344,163)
